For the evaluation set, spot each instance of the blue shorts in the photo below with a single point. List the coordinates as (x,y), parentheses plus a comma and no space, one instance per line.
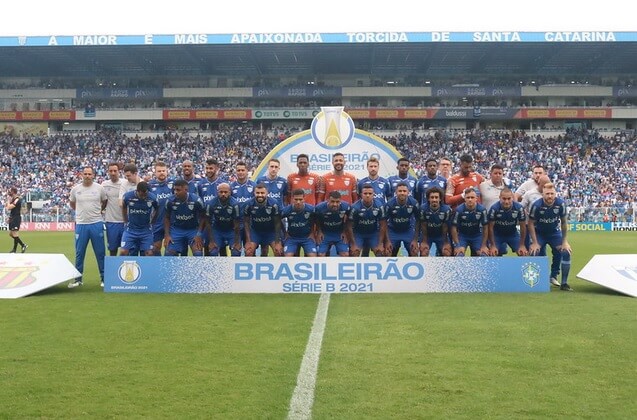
(137,240)
(501,243)
(181,240)
(332,239)
(293,244)
(114,232)
(473,242)
(396,238)
(438,241)
(158,233)
(366,240)
(554,240)
(262,238)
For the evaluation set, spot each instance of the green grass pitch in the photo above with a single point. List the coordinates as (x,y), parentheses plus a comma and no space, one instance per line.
(84,353)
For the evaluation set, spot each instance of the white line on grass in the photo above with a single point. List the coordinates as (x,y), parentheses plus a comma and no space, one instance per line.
(303,396)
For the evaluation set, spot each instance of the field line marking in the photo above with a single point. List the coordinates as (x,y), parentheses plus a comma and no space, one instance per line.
(303,396)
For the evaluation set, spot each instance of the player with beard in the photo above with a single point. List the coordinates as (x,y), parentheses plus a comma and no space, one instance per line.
(548,226)
(461,181)
(162,188)
(242,191)
(531,183)
(221,226)
(380,184)
(339,180)
(434,224)
(188,175)
(113,211)
(469,226)
(262,222)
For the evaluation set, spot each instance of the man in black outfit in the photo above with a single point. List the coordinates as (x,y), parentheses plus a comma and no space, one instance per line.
(15,219)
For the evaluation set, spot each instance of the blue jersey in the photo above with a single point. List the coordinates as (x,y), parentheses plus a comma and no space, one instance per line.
(470,222)
(394,180)
(548,219)
(139,211)
(222,215)
(162,191)
(193,185)
(434,219)
(425,183)
(243,193)
(262,217)
(207,189)
(401,217)
(380,185)
(299,221)
(277,188)
(366,220)
(184,214)
(505,221)
(332,220)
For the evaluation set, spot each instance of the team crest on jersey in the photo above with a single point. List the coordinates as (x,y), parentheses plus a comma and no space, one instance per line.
(279,185)
(268,210)
(375,212)
(330,182)
(229,210)
(149,204)
(310,181)
(556,210)
(341,214)
(191,206)
(170,185)
(410,210)
(346,182)
(307,215)
(250,188)
(531,274)
(514,214)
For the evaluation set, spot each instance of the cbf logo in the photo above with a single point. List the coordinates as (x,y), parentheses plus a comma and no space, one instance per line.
(129,272)
(531,274)
(332,128)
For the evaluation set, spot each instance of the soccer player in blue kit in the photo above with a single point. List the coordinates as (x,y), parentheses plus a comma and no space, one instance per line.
(139,209)
(548,225)
(469,226)
(367,224)
(403,176)
(380,184)
(402,216)
(184,211)
(221,226)
(262,222)
(242,191)
(504,218)
(435,216)
(301,220)
(162,188)
(277,185)
(429,180)
(331,222)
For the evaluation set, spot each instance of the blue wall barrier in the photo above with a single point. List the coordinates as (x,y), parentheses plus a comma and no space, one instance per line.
(327,274)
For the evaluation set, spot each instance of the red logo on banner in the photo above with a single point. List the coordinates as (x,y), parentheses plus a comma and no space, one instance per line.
(14,277)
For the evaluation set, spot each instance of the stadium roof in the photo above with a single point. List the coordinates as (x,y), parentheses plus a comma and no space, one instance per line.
(426,59)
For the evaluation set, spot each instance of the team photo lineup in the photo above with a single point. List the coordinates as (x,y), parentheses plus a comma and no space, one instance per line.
(441,213)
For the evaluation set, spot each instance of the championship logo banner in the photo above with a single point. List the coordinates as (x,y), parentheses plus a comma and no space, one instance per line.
(24,274)
(325,275)
(333,131)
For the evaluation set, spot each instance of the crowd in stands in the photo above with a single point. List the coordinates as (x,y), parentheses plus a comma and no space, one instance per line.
(591,170)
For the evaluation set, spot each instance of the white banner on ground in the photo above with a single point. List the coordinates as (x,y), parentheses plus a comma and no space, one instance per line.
(25,274)
(617,272)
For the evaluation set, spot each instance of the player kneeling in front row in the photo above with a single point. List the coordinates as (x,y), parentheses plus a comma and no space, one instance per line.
(331,222)
(367,224)
(301,226)
(504,218)
(468,227)
(262,223)
(221,225)
(402,216)
(434,224)
(547,225)
(184,211)
(139,210)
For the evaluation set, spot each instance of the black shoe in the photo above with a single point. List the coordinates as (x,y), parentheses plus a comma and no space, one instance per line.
(566,287)
(12,251)
(24,248)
